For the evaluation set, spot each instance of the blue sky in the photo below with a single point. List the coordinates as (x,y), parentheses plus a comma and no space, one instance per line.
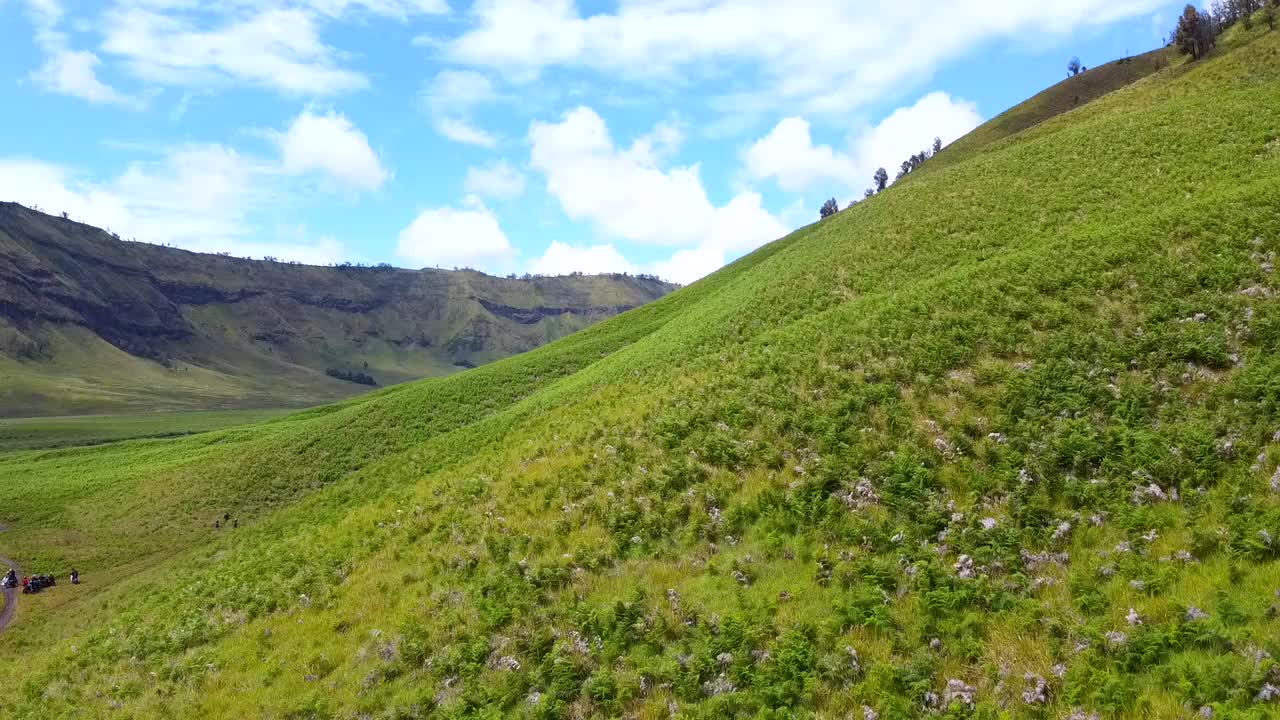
(666,136)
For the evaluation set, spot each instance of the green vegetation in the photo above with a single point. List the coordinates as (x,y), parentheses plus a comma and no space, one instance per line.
(1068,95)
(910,165)
(93,325)
(77,430)
(1000,442)
(358,378)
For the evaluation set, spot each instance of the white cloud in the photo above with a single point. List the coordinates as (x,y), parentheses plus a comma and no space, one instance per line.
(199,197)
(45,13)
(330,143)
(562,259)
(72,73)
(686,266)
(818,57)
(276,48)
(459,90)
(743,224)
(627,195)
(450,98)
(660,143)
(180,43)
(399,9)
(460,131)
(497,180)
(454,237)
(66,71)
(193,192)
(789,156)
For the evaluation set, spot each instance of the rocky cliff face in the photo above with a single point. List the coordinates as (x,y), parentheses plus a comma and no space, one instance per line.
(255,318)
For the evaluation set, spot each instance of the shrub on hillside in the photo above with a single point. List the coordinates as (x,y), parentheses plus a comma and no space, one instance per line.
(912,163)
(829,208)
(350,376)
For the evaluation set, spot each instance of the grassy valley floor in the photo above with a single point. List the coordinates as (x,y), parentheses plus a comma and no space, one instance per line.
(78,430)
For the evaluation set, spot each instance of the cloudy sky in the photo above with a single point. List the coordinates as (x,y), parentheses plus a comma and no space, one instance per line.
(665,136)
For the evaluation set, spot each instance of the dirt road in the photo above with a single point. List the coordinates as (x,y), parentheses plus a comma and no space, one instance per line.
(10,596)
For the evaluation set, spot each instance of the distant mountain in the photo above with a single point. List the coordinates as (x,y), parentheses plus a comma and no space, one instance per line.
(89,323)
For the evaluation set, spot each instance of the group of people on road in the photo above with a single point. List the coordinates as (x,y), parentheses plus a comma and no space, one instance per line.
(34,583)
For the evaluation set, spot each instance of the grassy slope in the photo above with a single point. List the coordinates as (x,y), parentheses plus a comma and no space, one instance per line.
(86,375)
(501,542)
(1072,93)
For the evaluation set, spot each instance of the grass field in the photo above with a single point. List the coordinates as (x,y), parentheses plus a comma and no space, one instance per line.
(1001,442)
(77,430)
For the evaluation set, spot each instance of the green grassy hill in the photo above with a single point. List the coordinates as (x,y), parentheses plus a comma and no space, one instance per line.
(1000,442)
(90,324)
(1067,95)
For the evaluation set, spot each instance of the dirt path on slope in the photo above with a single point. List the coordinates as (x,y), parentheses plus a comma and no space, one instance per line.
(10,596)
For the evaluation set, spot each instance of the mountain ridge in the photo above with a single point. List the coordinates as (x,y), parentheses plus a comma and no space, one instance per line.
(244,318)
